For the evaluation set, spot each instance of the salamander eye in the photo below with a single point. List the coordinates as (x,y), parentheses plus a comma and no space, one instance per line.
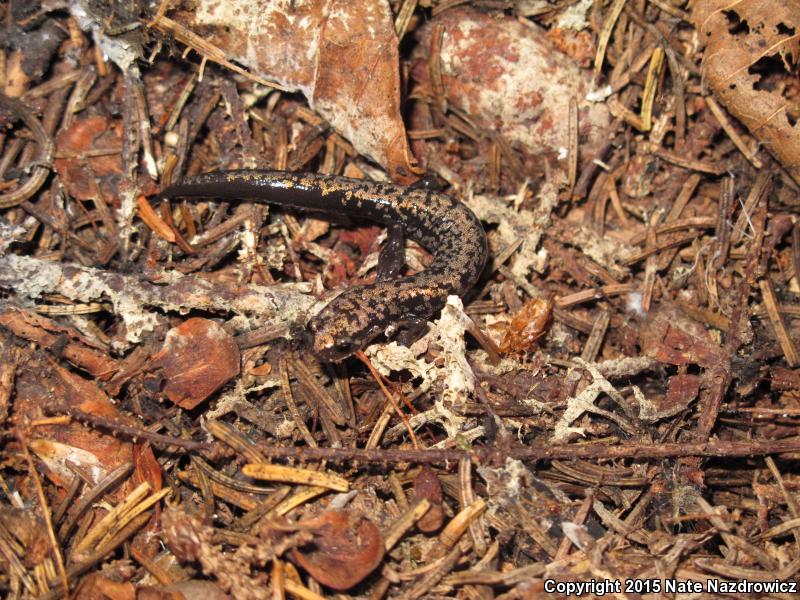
(344,346)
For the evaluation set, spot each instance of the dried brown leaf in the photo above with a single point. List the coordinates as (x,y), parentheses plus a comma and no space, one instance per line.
(752,49)
(198,358)
(671,337)
(528,325)
(343,56)
(90,160)
(681,390)
(347,548)
(44,386)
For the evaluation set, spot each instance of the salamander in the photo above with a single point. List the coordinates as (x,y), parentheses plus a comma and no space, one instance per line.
(354,318)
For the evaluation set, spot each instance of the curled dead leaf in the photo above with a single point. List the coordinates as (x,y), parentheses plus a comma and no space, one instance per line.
(527,326)
(346,548)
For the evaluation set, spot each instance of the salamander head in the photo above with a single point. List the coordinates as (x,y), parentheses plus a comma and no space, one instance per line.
(336,334)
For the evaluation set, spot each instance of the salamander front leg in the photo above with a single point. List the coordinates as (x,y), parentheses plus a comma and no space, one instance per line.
(407,330)
(392,257)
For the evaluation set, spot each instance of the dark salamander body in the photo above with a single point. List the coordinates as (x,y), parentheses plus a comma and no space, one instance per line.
(446,227)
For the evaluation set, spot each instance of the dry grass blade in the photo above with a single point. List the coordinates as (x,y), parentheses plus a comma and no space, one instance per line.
(651,87)
(118,518)
(292,475)
(298,499)
(605,33)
